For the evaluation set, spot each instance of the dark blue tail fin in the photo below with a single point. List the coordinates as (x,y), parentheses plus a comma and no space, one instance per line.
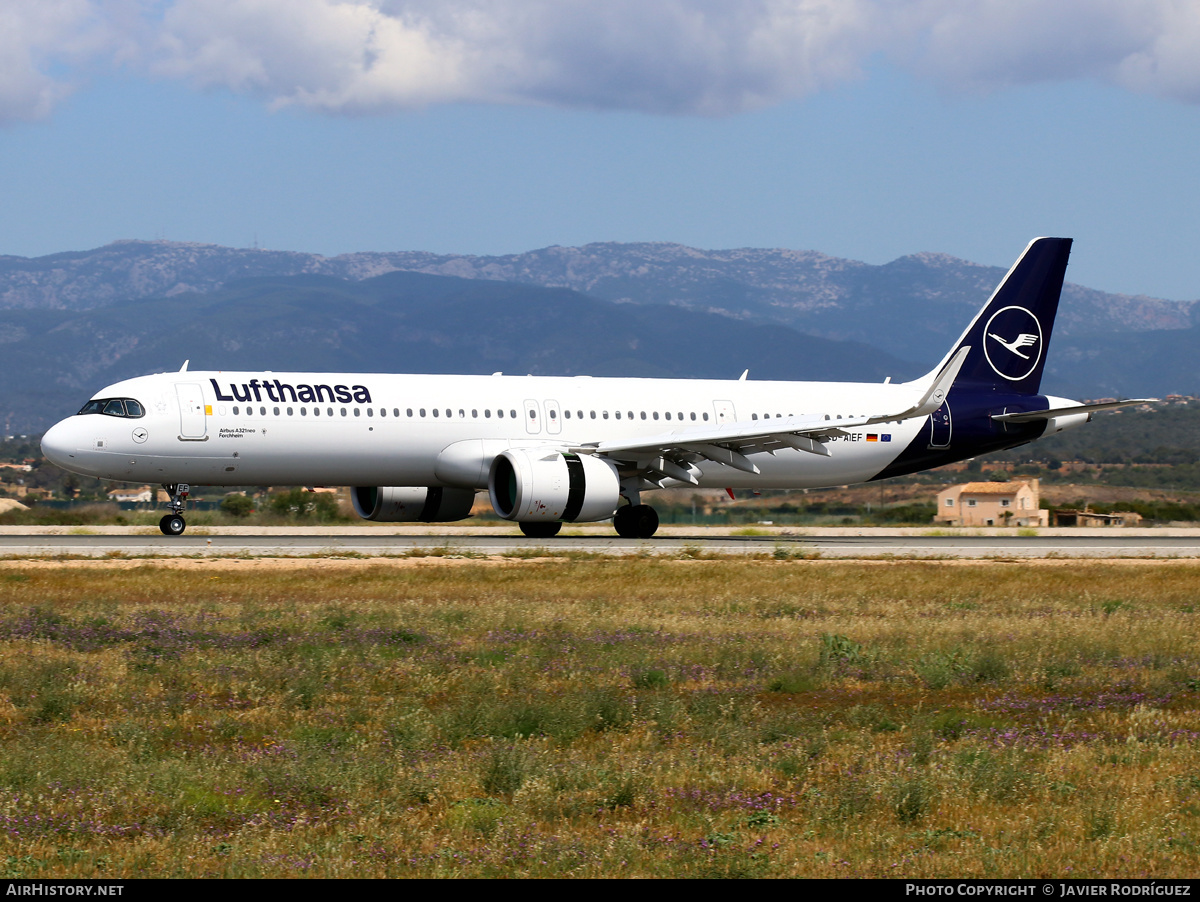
(1009,337)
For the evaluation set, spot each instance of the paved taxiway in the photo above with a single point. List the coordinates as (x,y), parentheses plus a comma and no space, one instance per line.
(372,544)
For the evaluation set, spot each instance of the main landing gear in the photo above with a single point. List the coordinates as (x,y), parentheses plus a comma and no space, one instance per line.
(635,521)
(173,523)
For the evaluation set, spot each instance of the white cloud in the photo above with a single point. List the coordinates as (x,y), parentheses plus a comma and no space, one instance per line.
(369,55)
(706,57)
(48,46)
(30,34)
(1168,62)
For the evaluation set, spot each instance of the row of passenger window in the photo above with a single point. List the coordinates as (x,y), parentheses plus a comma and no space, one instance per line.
(421,412)
(653,415)
(248,411)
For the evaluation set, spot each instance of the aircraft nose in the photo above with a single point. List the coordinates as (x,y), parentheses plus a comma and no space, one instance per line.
(59,443)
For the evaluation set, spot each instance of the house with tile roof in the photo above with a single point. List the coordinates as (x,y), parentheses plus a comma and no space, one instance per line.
(991,504)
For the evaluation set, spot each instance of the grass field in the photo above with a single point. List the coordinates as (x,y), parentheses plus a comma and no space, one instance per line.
(600,718)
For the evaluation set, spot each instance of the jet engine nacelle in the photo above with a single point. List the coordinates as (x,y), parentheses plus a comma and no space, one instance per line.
(407,504)
(543,484)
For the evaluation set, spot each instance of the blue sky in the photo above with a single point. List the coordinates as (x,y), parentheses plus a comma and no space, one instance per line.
(867,129)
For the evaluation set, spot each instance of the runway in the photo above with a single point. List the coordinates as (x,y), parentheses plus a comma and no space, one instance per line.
(354,543)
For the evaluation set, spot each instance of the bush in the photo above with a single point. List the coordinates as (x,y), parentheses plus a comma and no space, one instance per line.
(304,505)
(238,505)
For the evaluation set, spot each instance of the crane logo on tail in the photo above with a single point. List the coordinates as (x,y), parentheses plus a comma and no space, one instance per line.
(1013,343)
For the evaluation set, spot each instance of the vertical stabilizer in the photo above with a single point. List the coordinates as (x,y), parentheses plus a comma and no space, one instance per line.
(1009,337)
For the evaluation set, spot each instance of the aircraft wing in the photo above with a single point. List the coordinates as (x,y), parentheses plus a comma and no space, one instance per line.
(675,454)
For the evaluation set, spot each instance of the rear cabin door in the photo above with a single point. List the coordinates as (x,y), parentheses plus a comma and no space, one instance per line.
(193,426)
(939,427)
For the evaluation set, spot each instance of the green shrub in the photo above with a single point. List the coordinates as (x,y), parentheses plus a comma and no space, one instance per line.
(238,505)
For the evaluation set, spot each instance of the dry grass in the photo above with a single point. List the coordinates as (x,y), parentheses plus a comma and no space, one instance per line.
(600,718)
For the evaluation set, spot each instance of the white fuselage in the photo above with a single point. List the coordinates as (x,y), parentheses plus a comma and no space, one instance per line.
(395,430)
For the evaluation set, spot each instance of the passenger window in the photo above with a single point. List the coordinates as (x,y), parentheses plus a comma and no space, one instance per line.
(533,414)
(604,413)
(463,414)
(316,411)
(276,409)
(487,413)
(235,410)
(693,416)
(593,414)
(303,411)
(667,414)
(436,412)
(474,414)
(262,411)
(513,414)
(656,414)
(567,414)
(500,414)
(617,414)
(553,415)
(643,414)
(329,411)
(422,411)
(357,412)
(289,411)
(371,412)
(706,417)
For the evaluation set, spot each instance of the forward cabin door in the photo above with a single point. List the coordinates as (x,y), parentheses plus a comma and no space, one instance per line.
(193,425)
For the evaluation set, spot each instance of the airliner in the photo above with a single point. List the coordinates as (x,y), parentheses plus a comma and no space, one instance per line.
(550,450)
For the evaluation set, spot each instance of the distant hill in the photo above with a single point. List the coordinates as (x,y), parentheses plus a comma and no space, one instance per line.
(399,322)
(910,309)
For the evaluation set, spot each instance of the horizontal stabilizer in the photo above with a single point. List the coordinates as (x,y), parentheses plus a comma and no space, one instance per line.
(1030,416)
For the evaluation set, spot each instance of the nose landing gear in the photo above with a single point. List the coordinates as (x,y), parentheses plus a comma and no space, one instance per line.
(173,523)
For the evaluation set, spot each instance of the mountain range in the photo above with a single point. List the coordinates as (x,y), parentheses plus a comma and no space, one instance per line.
(71,322)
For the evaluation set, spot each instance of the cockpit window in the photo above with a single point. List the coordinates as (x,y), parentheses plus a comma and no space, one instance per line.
(114,407)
